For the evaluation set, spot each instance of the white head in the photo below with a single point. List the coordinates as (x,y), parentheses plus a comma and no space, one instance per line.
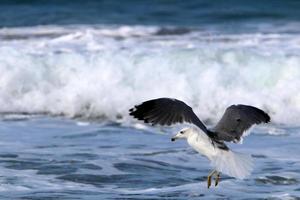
(183,133)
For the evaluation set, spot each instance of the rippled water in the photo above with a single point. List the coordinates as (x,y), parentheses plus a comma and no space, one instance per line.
(55,158)
(94,60)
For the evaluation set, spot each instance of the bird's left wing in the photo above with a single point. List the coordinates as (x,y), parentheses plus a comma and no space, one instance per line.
(166,111)
(236,120)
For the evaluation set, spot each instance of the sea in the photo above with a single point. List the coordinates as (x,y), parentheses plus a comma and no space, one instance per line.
(71,70)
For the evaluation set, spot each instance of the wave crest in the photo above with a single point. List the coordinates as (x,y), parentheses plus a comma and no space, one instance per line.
(108,76)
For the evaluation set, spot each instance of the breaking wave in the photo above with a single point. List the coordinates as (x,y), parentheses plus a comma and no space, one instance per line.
(95,72)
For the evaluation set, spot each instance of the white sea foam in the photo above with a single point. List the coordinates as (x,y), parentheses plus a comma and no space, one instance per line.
(103,71)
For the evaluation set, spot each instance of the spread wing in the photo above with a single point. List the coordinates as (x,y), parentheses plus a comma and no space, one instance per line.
(166,111)
(236,120)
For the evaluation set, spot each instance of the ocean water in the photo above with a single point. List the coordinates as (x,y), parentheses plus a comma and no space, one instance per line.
(69,72)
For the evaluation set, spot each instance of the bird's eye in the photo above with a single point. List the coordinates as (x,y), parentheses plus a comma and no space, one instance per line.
(181,132)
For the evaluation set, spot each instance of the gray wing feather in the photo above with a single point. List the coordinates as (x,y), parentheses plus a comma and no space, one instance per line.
(236,120)
(166,111)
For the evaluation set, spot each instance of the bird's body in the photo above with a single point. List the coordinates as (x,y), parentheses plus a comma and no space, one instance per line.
(232,127)
(200,142)
(231,163)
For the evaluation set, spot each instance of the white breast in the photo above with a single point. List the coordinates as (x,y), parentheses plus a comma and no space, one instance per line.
(234,164)
(202,144)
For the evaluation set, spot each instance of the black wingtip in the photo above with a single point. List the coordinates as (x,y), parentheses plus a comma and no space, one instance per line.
(132,111)
(262,115)
(268,118)
(265,117)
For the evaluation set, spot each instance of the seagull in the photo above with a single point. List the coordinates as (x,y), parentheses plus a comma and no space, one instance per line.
(232,127)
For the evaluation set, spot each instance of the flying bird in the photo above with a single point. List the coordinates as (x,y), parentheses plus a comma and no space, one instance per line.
(233,125)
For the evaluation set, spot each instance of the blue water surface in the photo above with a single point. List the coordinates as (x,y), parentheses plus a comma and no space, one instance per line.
(46,158)
(230,14)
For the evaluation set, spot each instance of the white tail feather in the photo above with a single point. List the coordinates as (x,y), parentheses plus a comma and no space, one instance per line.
(234,164)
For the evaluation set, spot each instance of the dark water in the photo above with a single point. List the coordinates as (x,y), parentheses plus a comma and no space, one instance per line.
(227,14)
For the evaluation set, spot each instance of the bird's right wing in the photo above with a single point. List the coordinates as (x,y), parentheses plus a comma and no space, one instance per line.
(236,120)
(166,111)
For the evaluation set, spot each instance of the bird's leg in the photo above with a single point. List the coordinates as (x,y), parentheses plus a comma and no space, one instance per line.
(217,178)
(209,178)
